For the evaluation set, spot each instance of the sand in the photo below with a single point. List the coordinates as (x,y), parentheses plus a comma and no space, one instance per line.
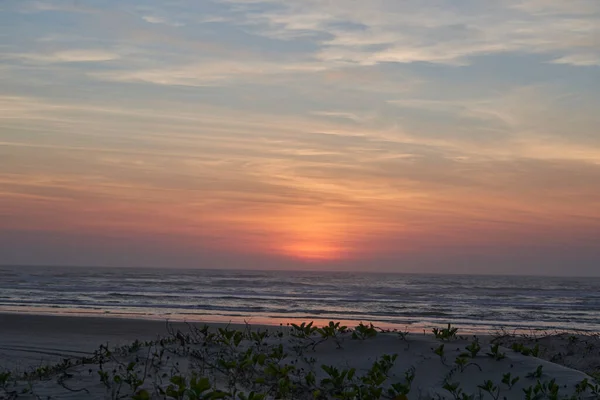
(28,342)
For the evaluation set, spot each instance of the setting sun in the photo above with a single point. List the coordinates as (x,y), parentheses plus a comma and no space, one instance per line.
(312,251)
(311,234)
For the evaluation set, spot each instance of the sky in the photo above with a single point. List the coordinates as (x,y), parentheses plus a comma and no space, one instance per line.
(453,136)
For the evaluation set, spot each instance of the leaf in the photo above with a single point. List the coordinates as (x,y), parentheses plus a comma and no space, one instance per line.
(141,395)
(400,397)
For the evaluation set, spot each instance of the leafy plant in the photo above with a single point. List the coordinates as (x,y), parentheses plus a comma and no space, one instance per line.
(231,338)
(373,380)
(259,338)
(473,348)
(251,396)
(303,331)
(495,352)
(582,386)
(489,387)
(440,352)
(456,391)
(462,363)
(537,374)
(526,351)
(197,389)
(280,375)
(532,393)
(400,389)
(339,382)
(333,331)
(509,381)
(362,332)
(403,335)
(141,395)
(447,333)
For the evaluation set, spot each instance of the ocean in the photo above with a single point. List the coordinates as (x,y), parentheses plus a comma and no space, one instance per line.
(405,301)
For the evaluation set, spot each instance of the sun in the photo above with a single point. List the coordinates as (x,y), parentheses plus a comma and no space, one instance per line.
(312,251)
(308,234)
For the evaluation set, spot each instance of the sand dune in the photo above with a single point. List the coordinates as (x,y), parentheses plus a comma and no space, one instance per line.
(281,362)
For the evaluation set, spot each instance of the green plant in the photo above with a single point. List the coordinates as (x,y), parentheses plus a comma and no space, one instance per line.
(4,378)
(531,393)
(582,386)
(526,351)
(303,331)
(495,352)
(462,363)
(400,389)
(5,384)
(537,374)
(198,388)
(231,338)
(440,352)
(362,332)
(142,394)
(489,387)
(339,382)
(333,331)
(403,335)
(447,333)
(548,390)
(372,381)
(473,348)
(280,375)
(509,381)
(595,389)
(251,396)
(259,338)
(456,391)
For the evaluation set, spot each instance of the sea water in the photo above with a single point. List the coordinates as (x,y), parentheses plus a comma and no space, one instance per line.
(405,301)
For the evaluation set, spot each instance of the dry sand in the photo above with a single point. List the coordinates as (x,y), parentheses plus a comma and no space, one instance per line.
(28,342)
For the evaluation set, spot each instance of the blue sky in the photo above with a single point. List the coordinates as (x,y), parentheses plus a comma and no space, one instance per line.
(302,134)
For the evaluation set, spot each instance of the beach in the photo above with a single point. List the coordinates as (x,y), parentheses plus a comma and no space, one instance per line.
(154,352)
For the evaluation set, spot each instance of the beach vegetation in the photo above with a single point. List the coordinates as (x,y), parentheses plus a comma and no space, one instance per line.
(333,330)
(509,380)
(456,391)
(251,396)
(489,387)
(495,352)
(211,363)
(526,351)
(537,374)
(473,349)
(448,333)
(439,351)
(463,362)
(339,383)
(403,335)
(363,332)
(303,330)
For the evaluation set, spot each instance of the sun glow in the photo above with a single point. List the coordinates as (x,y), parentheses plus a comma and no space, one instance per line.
(312,235)
(312,251)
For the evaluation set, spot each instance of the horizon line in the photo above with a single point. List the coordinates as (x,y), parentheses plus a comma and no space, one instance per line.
(301,270)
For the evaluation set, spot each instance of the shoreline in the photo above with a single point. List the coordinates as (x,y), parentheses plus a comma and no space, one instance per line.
(486,329)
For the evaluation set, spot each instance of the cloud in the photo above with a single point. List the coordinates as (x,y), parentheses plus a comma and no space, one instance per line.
(158,20)
(66,56)
(209,73)
(440,32)
(582,60)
